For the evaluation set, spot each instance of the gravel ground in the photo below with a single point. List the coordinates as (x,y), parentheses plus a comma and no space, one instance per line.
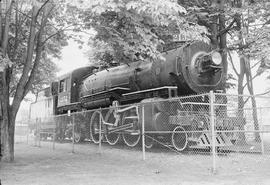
(121,165)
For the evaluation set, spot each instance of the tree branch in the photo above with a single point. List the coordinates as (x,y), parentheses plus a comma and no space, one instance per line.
(227,29)
(28,62)
(43,5)
(16,44)
(268,91)
(255,76)
(1,22)
(256,63)
(28,79)
(38,52)
(61,30)
(6,29)
(246,100)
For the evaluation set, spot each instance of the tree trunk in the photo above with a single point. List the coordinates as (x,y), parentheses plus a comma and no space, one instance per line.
(253,101)
(240,113)
(223,42)
(8,122)
(255,118)
(7,139)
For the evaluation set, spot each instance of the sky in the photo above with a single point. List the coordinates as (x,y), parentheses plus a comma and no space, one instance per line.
(260,84)
(72,58)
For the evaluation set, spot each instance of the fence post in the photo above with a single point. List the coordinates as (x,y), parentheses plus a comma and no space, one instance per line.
(100,122)
(143,132)
(213,132)
(27,137)
(36,133)
(72,122)
(39,135)
(54,135)
(28,131)
(73,134)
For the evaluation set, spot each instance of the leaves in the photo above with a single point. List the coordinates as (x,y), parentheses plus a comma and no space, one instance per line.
(253,41)
(134,29)
(52,41)
(4,61)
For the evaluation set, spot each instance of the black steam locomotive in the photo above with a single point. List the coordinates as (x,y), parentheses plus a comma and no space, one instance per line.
(188,68)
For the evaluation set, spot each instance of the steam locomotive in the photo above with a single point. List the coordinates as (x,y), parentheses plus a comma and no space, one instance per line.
(187,68)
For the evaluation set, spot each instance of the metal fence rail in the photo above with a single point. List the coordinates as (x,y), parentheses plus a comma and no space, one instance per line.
(213,126)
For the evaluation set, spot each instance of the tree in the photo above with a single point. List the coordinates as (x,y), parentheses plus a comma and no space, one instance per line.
(133,30)
(251,41)
(31,34)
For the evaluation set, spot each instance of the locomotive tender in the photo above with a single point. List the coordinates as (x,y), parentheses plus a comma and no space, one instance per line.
(189,68)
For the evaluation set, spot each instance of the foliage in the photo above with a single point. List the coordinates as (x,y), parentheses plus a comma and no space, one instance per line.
(132,30)
(18,41)
(251,38)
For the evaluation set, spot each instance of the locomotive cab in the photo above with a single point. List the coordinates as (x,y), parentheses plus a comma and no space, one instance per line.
(68,85)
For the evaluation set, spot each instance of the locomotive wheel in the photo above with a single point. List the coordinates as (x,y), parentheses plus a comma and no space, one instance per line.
(78,136)
(43,137)
(179,140)
(60,136)
(132,136)
(94,127)
(149,142)
(111,138)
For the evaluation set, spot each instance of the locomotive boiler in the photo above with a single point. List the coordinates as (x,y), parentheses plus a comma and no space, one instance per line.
(193,68)
(187,68)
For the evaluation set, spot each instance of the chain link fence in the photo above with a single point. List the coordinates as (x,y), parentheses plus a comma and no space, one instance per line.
(218,129)
(21,132)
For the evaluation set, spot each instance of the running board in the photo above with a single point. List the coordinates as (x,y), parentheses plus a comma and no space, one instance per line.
(133,132)
(132,117)
(120,128)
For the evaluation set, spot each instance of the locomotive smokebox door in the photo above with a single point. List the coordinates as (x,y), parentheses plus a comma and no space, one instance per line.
(201,68)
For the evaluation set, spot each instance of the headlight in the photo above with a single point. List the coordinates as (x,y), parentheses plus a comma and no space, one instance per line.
(216,58)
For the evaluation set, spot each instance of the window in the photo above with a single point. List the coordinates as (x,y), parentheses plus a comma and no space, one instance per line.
(62,87)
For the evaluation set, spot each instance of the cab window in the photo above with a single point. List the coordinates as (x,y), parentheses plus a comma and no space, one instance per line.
(62,86)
